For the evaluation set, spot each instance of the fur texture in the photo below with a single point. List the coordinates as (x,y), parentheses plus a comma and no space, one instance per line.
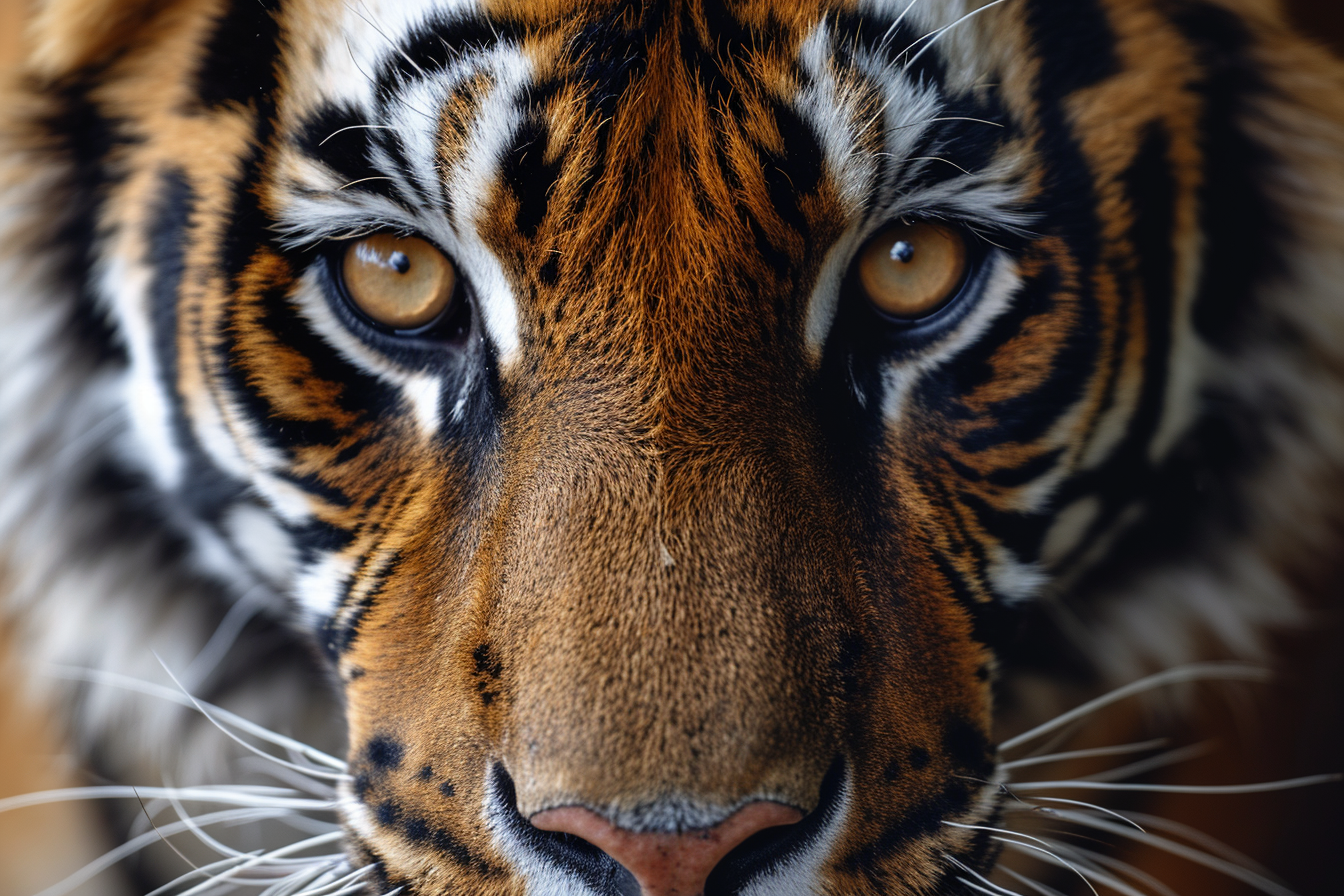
(663,519)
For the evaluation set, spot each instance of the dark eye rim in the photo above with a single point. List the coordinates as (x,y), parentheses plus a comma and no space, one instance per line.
(449,327)
(911,329)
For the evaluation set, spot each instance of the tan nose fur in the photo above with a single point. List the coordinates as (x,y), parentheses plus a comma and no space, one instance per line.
(668,864)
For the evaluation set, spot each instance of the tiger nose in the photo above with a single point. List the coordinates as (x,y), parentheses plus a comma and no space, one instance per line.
(668,864)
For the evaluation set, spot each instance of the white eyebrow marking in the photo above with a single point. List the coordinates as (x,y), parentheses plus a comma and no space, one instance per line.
(470,184)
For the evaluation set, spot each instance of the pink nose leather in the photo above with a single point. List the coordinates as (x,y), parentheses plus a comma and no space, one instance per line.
(668,864)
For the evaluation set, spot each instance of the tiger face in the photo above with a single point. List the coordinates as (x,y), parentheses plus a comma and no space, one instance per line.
(656,413)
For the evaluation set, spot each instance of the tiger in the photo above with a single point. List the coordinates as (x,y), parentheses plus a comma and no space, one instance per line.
(663,447)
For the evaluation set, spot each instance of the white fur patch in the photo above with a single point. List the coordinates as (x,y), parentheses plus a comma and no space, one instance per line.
(321,585)
(834,105)
(1068,529)
(326,209)
(267,547)
(124,286)
(801,873)
(995,297)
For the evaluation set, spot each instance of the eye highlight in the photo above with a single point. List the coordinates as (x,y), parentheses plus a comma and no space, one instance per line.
(400,282)
(910,270)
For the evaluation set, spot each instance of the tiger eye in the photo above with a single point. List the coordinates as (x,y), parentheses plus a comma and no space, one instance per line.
(401,282)
(911,270)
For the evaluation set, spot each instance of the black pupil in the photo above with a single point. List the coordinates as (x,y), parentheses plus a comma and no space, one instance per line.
(400,263)
(902,251)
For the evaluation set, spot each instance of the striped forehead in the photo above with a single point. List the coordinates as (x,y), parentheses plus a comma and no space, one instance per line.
(384,79)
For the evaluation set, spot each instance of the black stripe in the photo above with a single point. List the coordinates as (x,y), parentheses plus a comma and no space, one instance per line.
(1025,472)
(614,52)
(249,232)
(1076,46)
(84,139)
(1027,416)
(206,489)
(238,62)
(919,821)
(993,623)
(1151,189)
(358,393)
(529,175)
(1188,493)
(1021,533)
(1077,50)
(339,632)
(438,42)
(898,46)
(338,137)
(1240,223)
(315,537)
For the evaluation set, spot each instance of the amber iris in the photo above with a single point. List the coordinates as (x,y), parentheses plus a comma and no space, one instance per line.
(401,282)
(909,271)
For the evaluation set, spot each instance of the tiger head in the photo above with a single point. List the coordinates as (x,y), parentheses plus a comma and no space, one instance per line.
(657,413)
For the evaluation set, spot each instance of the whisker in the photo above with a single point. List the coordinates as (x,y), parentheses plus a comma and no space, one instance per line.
(357,127)
(1121,867)
(1209,844)
(244,796)
(1162,760)
(1207,789)
(933,37)
(993,887)
(972,885)
(385,36)
(164,837)
(298,881)
(131,847)
(891,31)
(922,122)
(1086,869)
(1199,857)
(1095,873)
(1179,675)
(1093,752)
(936,159)
(225,635)
(203,871)
(324,878)
(1059,738)
(361,181)
(299,781)
(357,887)
(254,861)
(174,695)
(323,889)
(200,707)
(1019,845)
(343,883)
(400,52)
(326,881)
(993,830)
(199,833)
(1060,799)
(1034,884)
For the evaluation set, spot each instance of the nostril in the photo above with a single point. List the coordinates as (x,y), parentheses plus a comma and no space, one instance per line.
(667,864)
(573,855)
(773,848)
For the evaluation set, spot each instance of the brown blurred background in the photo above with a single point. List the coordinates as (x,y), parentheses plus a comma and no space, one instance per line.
(1322,19)
(40,846)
